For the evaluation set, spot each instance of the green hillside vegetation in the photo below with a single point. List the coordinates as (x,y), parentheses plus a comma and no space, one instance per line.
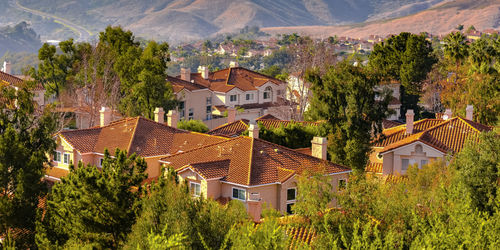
(20,61)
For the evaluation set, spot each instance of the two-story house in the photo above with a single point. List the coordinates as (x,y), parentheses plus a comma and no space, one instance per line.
(249,91)
(253,171)
(421,142)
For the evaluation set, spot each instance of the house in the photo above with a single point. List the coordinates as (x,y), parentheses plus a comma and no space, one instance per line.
(205,94)
(7,79)
(253,171)
(149,139)
(243,168)
(421,142)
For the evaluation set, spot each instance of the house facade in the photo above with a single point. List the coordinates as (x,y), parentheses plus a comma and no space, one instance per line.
(421,142)
(7,79)
(205,95)
(253,171)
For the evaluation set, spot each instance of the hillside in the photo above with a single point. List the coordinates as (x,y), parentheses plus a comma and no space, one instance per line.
(18,38)
(176,20)
(441,19)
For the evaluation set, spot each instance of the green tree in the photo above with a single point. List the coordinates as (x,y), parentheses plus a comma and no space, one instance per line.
(345,98)
(267,235)
(314,194)
(95,206)
(293,135)
(169,209)
(56,69)
(193,125)
(456,47)
(148,89)
(478,166)
(407,58)
(25,144)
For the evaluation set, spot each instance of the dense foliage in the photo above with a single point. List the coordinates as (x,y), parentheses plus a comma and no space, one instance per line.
(25,142)
(346,99)
(193,125)
(406,58)
(94,206)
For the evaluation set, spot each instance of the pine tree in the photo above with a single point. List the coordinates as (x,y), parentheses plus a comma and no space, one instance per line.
(92,206)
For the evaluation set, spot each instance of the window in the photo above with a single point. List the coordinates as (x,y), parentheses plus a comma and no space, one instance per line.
(66,158)
(267,93)
(195,189)
(209,113)
(209,101)
(100,162)
(290,194)
(233,98)
(249,97)
(423,163)
(342,184)
(181,110)
(57,156)
(238,194)
(191,114)
(289,209)
(405,163)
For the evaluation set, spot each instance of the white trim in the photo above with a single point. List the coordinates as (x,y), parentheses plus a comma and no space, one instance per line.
(88,153)
(232,192)
(345,172)
(408,145)
(52,178)
(192,170)
(194,193)
(245,186)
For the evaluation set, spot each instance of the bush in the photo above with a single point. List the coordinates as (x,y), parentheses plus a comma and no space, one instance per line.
(193,125)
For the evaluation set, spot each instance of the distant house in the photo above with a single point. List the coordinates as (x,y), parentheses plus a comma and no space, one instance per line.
(421,142)
(205,94)
(6,79)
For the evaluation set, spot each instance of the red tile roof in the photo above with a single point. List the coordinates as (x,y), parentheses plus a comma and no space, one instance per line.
(249,161)
(16,80)
(445,135)
(375,168)
(238,127)
(136,135)
(227,79)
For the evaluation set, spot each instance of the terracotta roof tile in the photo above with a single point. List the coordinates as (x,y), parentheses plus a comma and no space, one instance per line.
(179,84)
(252,161)
(238,127)
(137,135)
(374,168)
(227,79)
(445,135)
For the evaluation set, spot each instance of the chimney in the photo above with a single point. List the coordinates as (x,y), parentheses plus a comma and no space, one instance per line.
(409,121)
(447,114)
(231,114)
(253,130)
(159,115)
(204,71)
(172,118)
(469,112)
(186,74)
(6,67)
(318,147)
(105,116)
(233,64)
(255,206)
